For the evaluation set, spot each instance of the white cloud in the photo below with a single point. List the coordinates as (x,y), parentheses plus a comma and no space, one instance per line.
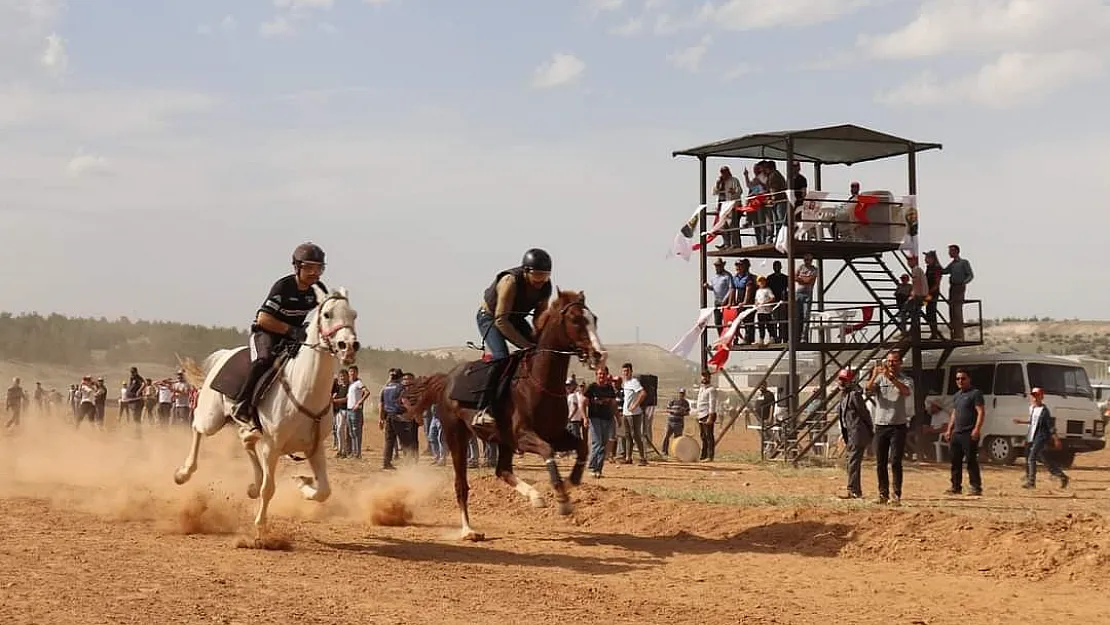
(54,58)
(740,71)
(744,15)
(689,59)
(562,69)
(84,164)
(633,26)
(279,25)
(292,14)
(24,25)
(225,26)
(1013,80)
(956,26)
(596,7)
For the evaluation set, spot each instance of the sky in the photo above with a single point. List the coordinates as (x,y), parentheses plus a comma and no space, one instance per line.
(161,160)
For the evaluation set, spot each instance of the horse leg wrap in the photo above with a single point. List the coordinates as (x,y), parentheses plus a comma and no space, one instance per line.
(577,471)
(553,473)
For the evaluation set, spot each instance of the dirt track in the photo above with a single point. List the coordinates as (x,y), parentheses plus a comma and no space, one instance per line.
(94,531)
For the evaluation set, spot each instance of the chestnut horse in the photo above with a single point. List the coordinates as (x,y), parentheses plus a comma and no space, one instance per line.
(532,415)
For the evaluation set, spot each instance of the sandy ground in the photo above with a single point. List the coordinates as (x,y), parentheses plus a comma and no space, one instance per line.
(93,530)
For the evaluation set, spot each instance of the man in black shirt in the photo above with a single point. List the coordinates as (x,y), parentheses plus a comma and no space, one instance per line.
(964,428)
(280,318)
(602,398)
(778,282)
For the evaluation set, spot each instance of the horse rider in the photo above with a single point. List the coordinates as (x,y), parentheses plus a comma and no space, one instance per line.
(508,300)
(280,319)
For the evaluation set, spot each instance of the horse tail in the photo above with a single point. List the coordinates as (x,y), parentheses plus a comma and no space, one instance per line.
(425,391)
(195,374)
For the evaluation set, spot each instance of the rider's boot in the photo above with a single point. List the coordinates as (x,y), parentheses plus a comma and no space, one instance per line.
(245,412)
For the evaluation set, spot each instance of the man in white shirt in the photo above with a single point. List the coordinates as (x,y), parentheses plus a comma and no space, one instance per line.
(85,398)
(706,408)
(182,412)
(576,408)
(165,401)
(633,413)
(356,399)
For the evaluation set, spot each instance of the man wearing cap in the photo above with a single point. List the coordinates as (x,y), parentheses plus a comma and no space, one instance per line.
(1041,434)
(856,428)
(721,285)
(677,409)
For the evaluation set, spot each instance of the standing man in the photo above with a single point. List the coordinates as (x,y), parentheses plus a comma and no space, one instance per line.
(633,412)
(964,427)
(856,428)
(601,406)
(959,276)
(15,399)
(356,398)
(135,384)
(339,388)
(707,416)
(805,276)
(721,285)
(892,390)
(389,412)
(101,395)
(677,410)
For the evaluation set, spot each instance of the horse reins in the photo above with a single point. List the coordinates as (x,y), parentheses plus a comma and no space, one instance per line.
(528,358)
(325,341)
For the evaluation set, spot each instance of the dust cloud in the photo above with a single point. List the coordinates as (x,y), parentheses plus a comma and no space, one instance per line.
(125,474)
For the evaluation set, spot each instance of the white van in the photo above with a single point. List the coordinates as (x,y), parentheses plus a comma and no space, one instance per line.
(1102,394)
(1005,380)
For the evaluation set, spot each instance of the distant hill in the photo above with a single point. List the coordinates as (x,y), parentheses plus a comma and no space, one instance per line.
(1049,336)
(58,350)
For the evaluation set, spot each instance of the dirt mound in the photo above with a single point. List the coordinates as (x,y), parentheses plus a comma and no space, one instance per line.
(1074,546)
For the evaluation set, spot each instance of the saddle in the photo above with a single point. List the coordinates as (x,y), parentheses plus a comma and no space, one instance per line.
(231,377)
(482,382)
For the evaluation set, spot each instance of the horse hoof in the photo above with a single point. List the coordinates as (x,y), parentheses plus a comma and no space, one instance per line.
(180,476)
(538,502)
(565,507)
(473,536)
(252,491)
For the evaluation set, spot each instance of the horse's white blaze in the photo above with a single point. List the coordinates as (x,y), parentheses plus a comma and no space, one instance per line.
(286,430)
(595,340)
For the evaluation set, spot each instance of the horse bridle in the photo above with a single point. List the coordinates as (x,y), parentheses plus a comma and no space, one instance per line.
(326,336)
(582,353)
(325,341)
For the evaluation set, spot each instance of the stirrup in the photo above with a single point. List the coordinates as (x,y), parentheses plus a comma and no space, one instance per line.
(482,418)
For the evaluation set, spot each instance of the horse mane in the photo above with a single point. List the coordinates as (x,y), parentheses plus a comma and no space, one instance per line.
(424,391)
(556,306)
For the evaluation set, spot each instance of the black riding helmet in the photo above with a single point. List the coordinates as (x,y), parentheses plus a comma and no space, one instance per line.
(308,253)
(536,259)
